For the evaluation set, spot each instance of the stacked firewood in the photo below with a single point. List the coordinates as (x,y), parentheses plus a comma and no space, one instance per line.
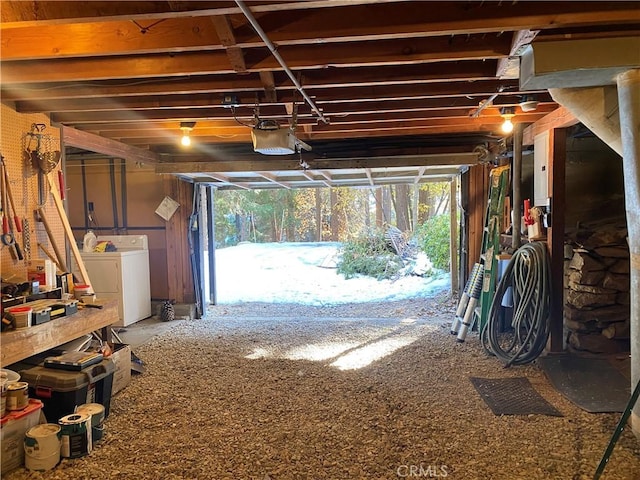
(596,312)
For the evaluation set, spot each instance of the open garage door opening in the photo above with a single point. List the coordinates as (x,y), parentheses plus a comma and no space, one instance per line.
(328,246)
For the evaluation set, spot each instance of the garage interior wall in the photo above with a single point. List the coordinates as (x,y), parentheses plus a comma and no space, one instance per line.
(130,214)
(168,244)
(24,187)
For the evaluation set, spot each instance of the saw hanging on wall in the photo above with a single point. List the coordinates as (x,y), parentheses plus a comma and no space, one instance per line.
(41,155)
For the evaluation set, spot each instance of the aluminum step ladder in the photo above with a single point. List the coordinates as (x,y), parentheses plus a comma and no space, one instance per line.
(493,227)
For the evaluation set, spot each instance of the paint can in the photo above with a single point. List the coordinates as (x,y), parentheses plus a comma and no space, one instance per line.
(7,377)
(76,435)
(3,398)
(17,396)
(42,447)
(96,410)
(79,290)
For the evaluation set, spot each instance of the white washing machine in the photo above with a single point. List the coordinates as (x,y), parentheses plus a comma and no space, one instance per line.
(123,275)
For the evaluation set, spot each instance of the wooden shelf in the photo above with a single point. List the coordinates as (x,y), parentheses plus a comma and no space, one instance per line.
(19,344)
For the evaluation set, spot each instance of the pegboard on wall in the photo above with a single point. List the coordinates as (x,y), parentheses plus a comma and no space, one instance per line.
(23,183)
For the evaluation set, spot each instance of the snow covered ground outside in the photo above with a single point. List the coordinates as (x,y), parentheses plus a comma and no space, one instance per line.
(300,273)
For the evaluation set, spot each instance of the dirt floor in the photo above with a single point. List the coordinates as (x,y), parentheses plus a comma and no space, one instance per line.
(360,391)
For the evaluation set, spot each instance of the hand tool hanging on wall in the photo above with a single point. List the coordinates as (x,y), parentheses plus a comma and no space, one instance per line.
(8,238)
(63,191)
(26,239)
(10,205)
(16,218)
(43,157)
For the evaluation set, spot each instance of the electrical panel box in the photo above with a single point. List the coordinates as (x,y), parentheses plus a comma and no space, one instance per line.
(541,169)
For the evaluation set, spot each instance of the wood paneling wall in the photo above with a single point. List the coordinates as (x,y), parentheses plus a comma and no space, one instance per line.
(475,208)
(144,190)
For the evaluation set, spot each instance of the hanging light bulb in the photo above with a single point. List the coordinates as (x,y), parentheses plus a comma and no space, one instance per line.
(507,114)
(186,128)
(507,126)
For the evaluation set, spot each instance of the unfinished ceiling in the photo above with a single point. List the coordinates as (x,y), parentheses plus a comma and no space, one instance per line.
(383,91)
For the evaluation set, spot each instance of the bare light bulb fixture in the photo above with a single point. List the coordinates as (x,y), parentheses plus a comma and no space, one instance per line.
(186,128)
(507,114)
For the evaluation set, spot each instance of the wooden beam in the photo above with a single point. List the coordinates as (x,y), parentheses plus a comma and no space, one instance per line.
(94,143)
(179,278)
(218,84)
(170,35)
(269,85)
(18,14)
(453,234)
(71,241)
(283,164)
(228,40)
(376,111)
(215,62)
(454,93)
(121,67)
(224,30)
(210,63)
(509,67)
(476,206)
(442,19)
(555,234)
(383,20)
(559,118)
(365,77)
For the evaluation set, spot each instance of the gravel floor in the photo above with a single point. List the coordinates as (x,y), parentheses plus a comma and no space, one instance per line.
(273,392)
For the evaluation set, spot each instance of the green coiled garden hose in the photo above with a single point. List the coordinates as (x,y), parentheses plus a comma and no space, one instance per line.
(528,273)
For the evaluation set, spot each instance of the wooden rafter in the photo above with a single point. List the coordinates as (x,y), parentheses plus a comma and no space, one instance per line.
(379,70)
(228,40)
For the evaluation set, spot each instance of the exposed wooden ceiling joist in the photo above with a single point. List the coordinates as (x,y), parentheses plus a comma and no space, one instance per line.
(379,70)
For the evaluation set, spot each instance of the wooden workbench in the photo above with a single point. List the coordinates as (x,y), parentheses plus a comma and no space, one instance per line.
(19,344)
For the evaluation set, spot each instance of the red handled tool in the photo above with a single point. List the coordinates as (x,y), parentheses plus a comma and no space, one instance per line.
(61,184)
(16,220)
(528,219)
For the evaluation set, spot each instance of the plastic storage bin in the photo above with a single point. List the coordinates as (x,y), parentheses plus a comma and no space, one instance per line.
(62,391)
(14,426)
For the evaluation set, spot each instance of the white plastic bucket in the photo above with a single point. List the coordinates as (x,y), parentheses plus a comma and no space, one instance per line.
(42,447)
(41,464)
